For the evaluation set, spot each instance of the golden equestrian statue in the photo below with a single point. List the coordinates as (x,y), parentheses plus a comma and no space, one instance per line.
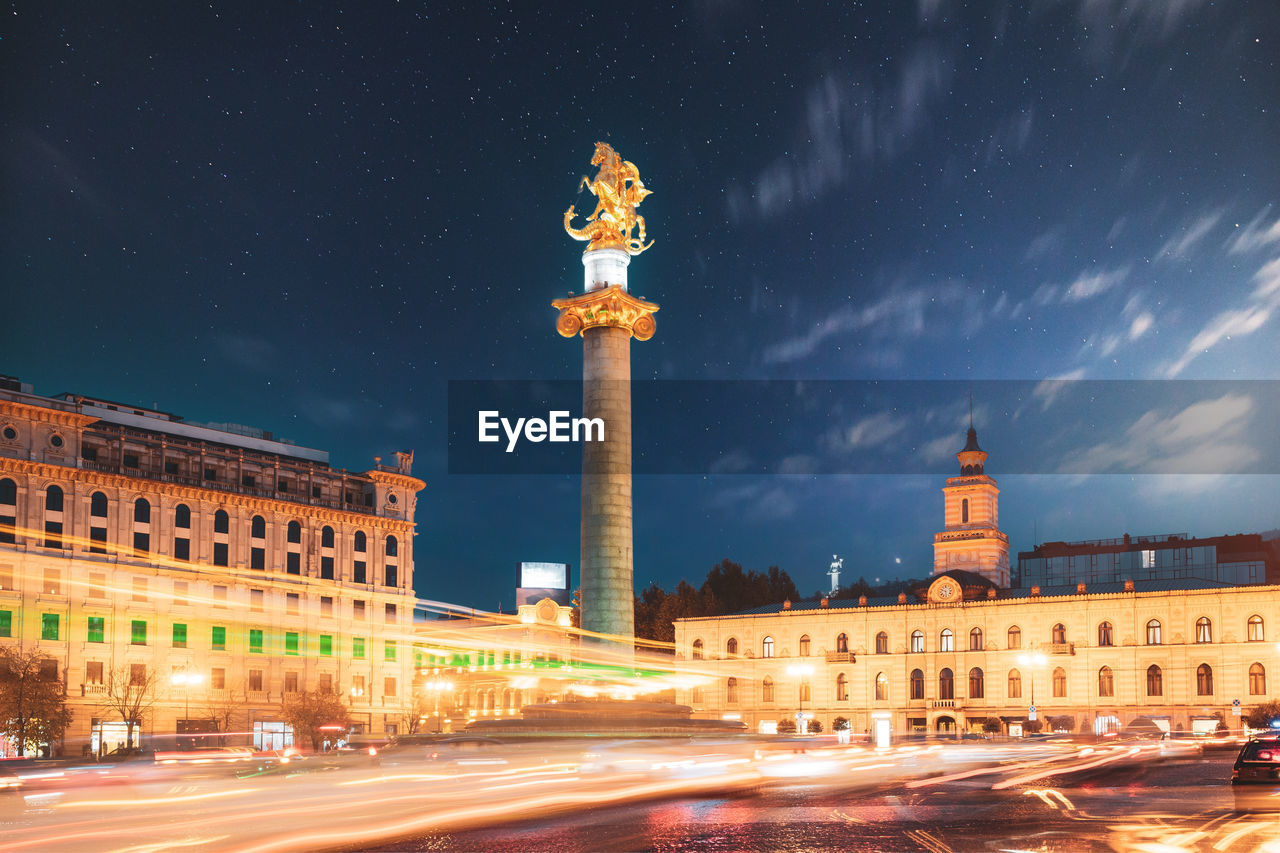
(618,191)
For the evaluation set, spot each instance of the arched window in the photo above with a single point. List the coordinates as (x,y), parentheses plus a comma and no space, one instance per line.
(964,511)
(393,547)
(947,641)
(766,648)
(181,515)
(731,690)
(766,689)
(946,684)
(842,643)
(882,643)
(295,533)
(221,521)
(804,646)
(697,649)
(1104,635)
(1106,682)
(1059,683)
(882,687)
(1256,633)
(1015,684)
(53,499)
(917,684)
(1059,633)
(9,492)
(1257,680)
(326,537)
(361,541)
(1015,637)
(917,641)
(805,691)
(975,639)
(1204,630)
(1153,632)
(98,505)
(976,685)
(1155,681)
(1204,680)
(731,647)
(842,688)
(142,510)
(258,527)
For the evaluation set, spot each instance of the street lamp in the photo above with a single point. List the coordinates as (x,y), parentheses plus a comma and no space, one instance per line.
(436,686)
(186,679)
(801,671)
(1032,662)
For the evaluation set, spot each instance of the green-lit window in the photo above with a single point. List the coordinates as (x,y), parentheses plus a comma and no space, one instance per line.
(97,629)
(6,623)
(290,643)
(326,644)
(138,633)
(219,638)
(179,635)
(48,626)
(255,640)
(357,648)
(389,650)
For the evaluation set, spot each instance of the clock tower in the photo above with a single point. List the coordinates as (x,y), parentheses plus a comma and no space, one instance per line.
(971,539)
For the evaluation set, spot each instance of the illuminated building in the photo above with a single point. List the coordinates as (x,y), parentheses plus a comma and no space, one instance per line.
(965,647)
(231,568)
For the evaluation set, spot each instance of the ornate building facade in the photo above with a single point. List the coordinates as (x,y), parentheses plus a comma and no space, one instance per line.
(965,648)
(216,567)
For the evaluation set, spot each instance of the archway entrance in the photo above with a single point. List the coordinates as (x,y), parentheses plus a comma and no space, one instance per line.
(945,725)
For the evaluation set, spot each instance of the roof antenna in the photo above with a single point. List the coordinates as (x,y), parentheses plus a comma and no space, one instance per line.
(970,405)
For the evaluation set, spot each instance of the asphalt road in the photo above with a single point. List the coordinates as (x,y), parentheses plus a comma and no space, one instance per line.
(1169,805)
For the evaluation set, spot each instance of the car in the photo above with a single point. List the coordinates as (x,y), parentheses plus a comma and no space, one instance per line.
(1255,777)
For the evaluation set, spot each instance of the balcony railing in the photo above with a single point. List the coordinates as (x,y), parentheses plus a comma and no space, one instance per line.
(840,657)
(1062,648)
(943,703)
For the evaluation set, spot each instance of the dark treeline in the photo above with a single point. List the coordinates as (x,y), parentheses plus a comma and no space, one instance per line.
(727,589)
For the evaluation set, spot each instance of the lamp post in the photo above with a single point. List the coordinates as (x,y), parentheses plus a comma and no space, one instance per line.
(1032,662)
(435,687)
(186,679)
(801,671)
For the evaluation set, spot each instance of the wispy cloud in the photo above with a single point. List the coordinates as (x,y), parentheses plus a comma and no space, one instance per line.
(1049,390)
(1256,234)
(1089,284)
(1115,27)
(871,431)
(1179,245)
(246,351)
(848,121)
(756,501)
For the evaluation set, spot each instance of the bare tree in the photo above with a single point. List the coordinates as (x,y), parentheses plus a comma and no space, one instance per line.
(419,710)
(316,715)
(131,693)
(33,702)
(222,708)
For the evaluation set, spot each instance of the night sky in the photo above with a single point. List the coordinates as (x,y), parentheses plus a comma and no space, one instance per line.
(309,218)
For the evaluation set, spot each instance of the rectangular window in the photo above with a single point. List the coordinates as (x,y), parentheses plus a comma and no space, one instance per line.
(141,543)
(257,558)
(357,648)
(53,534)
(170,466)
(293,563)
(326,644)
(138,674)
(357,685)
(389,650)
(282,486)
(6,577)
(255,680)
(138,632)
(220,553)
(139,589)
(49,626)
(326,605)
(358,574)
(291,603)
(291,682)
(179,635)
(211,474)
(219,594)
(390,613)
(326,683)
(97,629)
(248,480)
(326,568)
(256,597)
(52,582)
(315,491)
(388,686)
(97,540)
(6,623)
(97,585)
(218,678)
(7,525)
(93,672)
(182,549)
(180,592)
(255,640)
(291,643)
(88,452)
(393,576)
(219,638)
(130,460)
(357,609)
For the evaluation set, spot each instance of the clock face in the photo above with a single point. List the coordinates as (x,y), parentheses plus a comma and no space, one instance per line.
(946,591)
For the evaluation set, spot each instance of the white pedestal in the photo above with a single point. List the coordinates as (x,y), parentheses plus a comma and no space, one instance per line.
(604,267)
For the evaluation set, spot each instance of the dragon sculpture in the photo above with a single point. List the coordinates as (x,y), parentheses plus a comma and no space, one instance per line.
(618,191)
